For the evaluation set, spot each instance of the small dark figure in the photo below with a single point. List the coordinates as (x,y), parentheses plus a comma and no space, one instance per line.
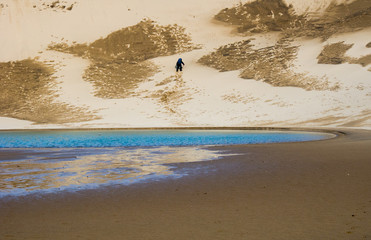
(179,64)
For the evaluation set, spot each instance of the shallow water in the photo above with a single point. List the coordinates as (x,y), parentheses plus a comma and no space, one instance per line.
(131,138)
(50,170)
(47,161)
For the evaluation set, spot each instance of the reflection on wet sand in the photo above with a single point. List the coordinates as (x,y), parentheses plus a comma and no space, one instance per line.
(83,168)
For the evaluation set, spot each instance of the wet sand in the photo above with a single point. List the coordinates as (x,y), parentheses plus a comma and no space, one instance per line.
(311,190)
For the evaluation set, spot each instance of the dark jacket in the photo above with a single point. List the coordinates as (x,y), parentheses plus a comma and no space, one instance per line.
(180,62)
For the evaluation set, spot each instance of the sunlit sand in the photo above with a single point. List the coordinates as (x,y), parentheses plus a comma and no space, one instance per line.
(286,64)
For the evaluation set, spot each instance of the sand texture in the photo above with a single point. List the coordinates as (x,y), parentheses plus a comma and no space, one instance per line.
(27,93)
(118,60)
(259,16)
(270,64)
(250,63)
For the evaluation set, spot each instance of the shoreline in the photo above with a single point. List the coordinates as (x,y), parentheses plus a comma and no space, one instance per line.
(300,190)
(334,130)
(332,133)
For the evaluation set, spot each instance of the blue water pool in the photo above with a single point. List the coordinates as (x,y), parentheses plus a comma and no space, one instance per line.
(146,138)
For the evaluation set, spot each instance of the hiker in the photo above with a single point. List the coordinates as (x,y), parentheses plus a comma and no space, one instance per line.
(179,64)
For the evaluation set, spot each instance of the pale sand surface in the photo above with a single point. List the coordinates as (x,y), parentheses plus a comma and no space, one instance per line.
(312,190)
(298,91)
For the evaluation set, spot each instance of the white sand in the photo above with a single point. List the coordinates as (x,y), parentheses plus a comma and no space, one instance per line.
(206,97)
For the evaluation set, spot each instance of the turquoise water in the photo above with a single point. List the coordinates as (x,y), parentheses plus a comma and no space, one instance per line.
(146,138)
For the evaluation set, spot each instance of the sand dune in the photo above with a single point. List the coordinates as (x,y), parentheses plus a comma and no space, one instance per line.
(110,64)
(115,67)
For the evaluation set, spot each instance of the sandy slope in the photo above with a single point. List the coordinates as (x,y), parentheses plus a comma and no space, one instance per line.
(200,96)
(75,91)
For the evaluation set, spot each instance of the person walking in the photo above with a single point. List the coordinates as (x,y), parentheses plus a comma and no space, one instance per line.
(179,65)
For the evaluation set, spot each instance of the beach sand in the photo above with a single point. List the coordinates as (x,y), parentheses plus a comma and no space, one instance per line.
(308,190)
